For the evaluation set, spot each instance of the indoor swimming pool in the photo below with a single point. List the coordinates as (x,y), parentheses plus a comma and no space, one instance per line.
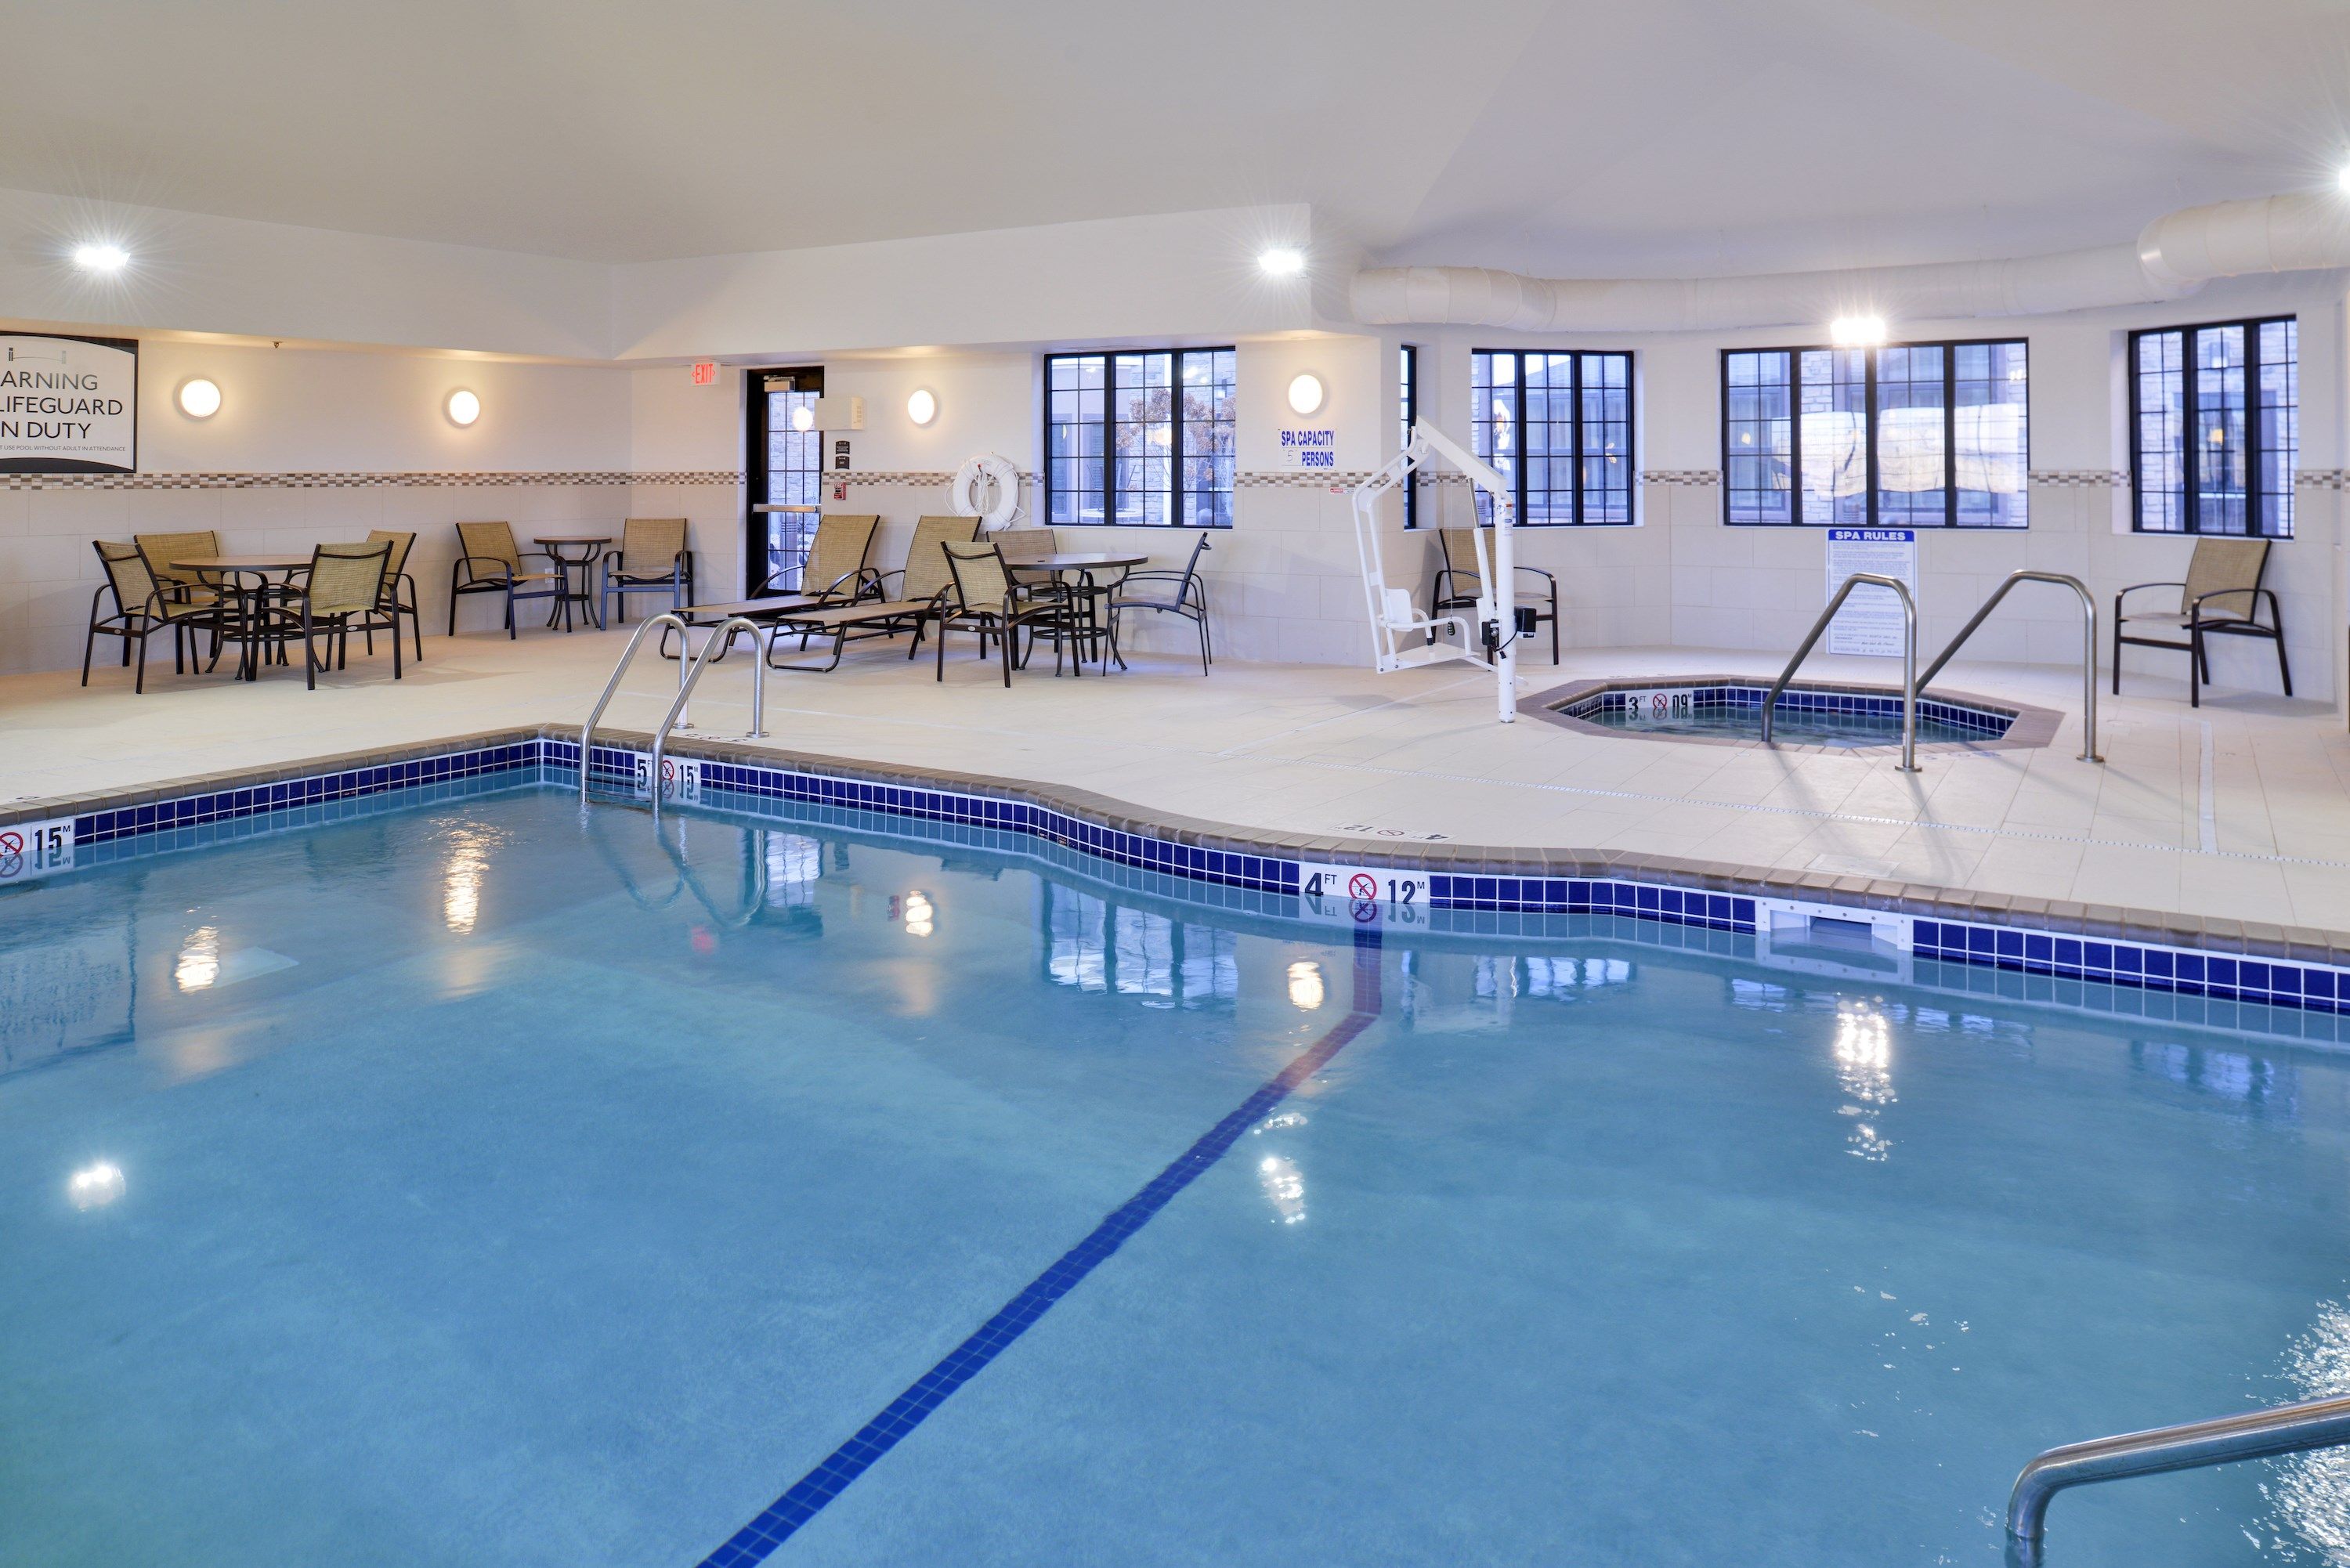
(1803,715)
(476,1180)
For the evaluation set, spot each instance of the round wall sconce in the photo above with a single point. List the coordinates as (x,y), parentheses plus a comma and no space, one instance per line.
(200,398)
(462,408)
(804,419)
(1305,394)
(921,406)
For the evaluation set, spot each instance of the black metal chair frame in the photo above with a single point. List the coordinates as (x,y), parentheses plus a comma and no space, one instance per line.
(466,575)
(1444,594)
(678,583)
(378,617)
(1025,606)
(2199,656)
(1191,601)
(139,625)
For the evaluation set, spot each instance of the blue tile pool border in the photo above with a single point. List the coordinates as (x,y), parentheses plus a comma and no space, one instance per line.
(2311,975)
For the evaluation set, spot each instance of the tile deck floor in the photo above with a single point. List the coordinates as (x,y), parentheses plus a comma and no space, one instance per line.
(1323,750)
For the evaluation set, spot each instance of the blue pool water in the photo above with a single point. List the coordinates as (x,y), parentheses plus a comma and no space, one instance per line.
(474,1182)
(1802,716)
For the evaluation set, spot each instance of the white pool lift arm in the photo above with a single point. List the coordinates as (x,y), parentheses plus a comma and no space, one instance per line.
(1489,638)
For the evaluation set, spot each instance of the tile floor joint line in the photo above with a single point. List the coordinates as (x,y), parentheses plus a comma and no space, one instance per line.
(2206,826)
(832,1474)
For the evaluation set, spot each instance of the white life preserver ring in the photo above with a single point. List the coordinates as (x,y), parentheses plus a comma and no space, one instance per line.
(986,487)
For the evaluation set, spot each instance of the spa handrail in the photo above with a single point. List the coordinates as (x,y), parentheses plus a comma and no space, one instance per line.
(688,672)
(1908,660)
(2089,753)
(2254,1435)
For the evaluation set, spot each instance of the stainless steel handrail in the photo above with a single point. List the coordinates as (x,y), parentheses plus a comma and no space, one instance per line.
(688,672)
(2089,648)
(1909,661)
(2256,1434)
(721,638)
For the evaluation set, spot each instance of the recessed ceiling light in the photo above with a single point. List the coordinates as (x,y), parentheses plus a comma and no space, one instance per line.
(463,408)
(1282,261)
(1856,331)
(100,258)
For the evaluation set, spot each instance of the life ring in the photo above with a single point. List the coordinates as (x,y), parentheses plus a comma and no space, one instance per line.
(987,477)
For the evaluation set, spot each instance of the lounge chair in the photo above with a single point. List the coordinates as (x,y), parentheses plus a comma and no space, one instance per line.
(1458,587)
(987,600)
(924,585)
(653,558)
(2221,596)
(835,568)
(143,607)
(1168,592)
(342,593)
(399,587)
(489,562)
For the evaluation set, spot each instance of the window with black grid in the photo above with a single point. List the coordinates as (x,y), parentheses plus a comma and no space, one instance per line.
(1907,435)
(1407,411)
(1558,426)
(1142,439)
(2215,427)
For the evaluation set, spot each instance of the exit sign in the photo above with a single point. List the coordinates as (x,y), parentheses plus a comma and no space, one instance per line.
(705,372)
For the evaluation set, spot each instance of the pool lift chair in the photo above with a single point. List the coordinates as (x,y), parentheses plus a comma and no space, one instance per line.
(1402,636)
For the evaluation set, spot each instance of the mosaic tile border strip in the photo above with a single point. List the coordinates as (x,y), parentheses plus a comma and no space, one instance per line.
(1470,887)
(332,480)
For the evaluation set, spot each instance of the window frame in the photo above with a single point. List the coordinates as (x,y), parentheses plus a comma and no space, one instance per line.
(1176,490)
(760,561)
(1796,352)
(2190,492)
(1631,518)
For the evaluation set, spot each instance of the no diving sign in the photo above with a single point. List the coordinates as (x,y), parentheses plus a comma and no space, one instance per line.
(1361,895)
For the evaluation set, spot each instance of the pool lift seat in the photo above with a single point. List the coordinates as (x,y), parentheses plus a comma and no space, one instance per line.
(1403,637)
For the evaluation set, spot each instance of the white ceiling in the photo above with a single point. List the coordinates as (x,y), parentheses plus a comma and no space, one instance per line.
(1572,137)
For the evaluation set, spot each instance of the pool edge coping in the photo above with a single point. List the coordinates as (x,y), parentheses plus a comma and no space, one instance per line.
(2030,726)
(2069,919)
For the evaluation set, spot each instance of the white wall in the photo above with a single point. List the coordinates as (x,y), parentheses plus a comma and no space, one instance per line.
(274,469)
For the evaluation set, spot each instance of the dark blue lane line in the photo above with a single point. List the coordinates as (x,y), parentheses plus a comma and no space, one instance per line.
(809,1494)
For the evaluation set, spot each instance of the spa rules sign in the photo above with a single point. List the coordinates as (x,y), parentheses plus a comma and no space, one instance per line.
(68,405)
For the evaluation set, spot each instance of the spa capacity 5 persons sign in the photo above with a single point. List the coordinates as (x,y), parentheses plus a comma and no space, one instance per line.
(68,405)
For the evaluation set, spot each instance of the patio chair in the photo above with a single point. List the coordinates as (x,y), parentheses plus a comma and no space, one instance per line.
(143,607)
(835,567)
(162,549)
(989,602)
(1457,585)
(1020,544)
(924,583)
(1168,592)
(399,587)
(489,562)
(2221,596)
(342,592)
(653,558)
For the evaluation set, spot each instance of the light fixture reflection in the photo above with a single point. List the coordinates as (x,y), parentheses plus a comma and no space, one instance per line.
(1864,1058)
(1306,987)
(919,914)
(1284,1187)
(95,1185)
(460,883)
(199,963)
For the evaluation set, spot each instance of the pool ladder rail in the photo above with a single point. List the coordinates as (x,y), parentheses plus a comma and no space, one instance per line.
(2254,1435)
(1912,683)
(689,674)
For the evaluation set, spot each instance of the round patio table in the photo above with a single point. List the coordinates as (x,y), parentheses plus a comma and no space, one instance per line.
(587,544)
(1083,565)
(247,577)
